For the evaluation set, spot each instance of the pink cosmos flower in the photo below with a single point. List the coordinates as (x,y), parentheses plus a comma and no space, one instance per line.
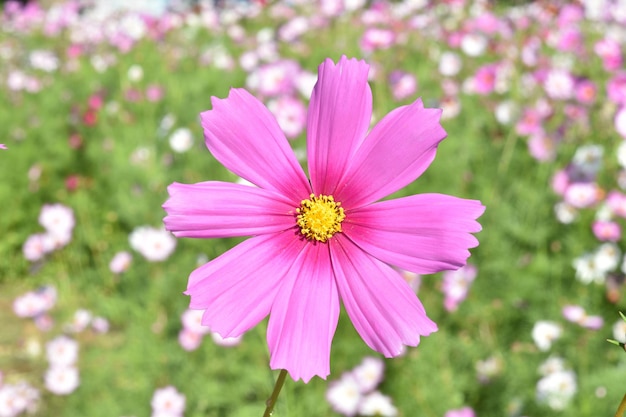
(189,340)
(616,201)
(325,240)
(168,401)
(461,412)
(586,91)
(577,314)
(616,88)
(154,93)
(3,146)
(582,194)
(610,51)
(369,373)
(485,79)
(530,122)
(377,38)
(606,230)
(344,395)
(290,114)
(120,262)
(62,351)
(569,39)
(620,122)
(62,380)
(403,84)
(456,286)
(560,181)
(542,147)
(559,84)
(30,304)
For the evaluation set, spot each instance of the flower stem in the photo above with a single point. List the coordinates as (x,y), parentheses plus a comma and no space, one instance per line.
(272,400)
(622,408)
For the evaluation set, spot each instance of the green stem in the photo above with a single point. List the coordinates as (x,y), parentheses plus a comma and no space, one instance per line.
(622,408)
(272,400)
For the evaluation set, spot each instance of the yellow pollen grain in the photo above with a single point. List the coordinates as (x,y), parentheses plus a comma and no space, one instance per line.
(319,218)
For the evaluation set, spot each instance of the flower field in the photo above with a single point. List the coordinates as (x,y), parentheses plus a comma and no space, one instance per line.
(101,114)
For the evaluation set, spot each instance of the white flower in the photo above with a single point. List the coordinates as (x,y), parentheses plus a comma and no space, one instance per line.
(62,380)
(559,84)
(80,321)
(544,333)
(133,26)
(369,373)
(58,220)
(153,244)
(488,368)
(304,82)
(588,159)
(44,60)
(135,73)
(10,404)
(449,64)
(619,331)
(168,401)
(565,213)
(192,320)
(38,245)
(582,194)
(100,324)
(620,122)
(226,341)
(604,213)
(474,44)
(16,399)
(181,140)
(557,389)
(120,262)
(621,154)
(344,395)
(248,61)
(62,351)
(587,270)
(506,112)
(30,304)
(551,365)
(167,122)
(607,257)
(377,404)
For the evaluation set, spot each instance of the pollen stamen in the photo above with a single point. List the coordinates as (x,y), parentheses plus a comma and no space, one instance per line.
(319,218)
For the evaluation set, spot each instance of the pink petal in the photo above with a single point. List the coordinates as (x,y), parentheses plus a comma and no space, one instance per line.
(237,289)
(423,233)
(304,316)
(245,137)
(339,116)
(381,304)
(399,148)
(220,209)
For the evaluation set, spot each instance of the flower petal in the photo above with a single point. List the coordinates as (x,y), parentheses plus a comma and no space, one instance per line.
(381,304)
(339,115)
(397,151)
(304,316)
(245,137)
(237,288)
(220,209)
(423,233)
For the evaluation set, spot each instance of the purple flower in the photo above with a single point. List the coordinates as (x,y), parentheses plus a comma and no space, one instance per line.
(325,240)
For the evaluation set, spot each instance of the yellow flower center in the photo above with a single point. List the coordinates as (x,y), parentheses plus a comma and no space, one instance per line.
(320,217)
